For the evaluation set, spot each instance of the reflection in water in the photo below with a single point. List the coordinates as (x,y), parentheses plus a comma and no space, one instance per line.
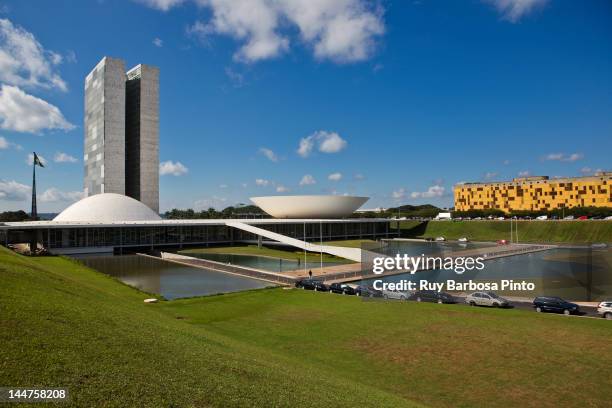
(168,279)
(581,274)
(261,262)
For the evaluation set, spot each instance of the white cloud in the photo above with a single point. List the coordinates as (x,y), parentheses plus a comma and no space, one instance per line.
(342,31)
(587,171)
(4,144)
(24,62)
(307,180)
(514,10)
(14,191)
(339,30)
(173,168)
(433,191)
(326,142)
(262,182)
(200,31)
(358,177)
(270,155)
(163,5)
(22,112)
(236,78)
(281,189)
(399,193)
(30,159)
(506,162)
(524,173)
(335,176)
(53,195)
(61,157)
(158,42)
(563,157)
(223,186)
(253,22)
(490,175)
(215,202)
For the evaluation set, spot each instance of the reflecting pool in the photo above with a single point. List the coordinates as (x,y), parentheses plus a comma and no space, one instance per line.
(578,273)
(170,280)
(263,262)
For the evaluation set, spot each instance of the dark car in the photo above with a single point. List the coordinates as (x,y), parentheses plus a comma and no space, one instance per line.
(307,284)
(341,288)
(432,296)
(367,291)
(555,304)
(319,286)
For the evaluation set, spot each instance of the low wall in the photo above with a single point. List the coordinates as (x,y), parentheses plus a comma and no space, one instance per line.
(223,267)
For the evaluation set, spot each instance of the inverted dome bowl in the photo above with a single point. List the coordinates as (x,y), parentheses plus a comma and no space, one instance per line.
(309,206)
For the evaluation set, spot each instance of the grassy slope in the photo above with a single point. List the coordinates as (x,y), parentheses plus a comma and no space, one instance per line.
(528,231)
(65,325)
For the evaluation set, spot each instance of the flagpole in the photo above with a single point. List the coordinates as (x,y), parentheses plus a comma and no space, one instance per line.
(34,214)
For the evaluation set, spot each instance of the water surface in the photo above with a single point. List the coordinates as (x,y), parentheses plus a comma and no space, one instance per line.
(168,279)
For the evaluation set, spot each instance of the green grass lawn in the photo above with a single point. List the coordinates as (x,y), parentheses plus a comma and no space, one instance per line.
(528,231)
(277,252)
(62,324)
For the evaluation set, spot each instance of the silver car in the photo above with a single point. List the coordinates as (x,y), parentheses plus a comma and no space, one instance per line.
(395,294)
(605,309)
(486,299)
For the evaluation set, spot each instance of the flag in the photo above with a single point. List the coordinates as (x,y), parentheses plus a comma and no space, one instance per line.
(37,161)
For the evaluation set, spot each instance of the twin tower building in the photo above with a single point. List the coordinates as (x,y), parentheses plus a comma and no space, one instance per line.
(121,152)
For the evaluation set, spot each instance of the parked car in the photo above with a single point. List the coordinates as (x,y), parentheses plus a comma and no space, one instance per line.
(486,299)
(605,309)
(395,294)
(367,291)
(569,217)
(583,217)
(307,284)
(432,296)
(554,304)
(440,239)
(542,217)
(341,288)
(319,286)
(463,239)
(608,218)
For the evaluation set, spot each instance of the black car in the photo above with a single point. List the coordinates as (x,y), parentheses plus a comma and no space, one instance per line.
(319,286)
(307,284)
(341,288)
(367,291)
(555,304)
(432,296)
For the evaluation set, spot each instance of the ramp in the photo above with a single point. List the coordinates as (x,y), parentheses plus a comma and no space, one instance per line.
(354,254)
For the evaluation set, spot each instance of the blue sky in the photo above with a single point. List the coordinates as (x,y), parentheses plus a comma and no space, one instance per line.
(396,100)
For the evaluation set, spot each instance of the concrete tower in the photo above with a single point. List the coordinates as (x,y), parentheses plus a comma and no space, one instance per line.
(104,152)
(142,135)
(122,131)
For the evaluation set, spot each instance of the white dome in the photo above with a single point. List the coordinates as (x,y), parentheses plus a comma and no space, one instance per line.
(106,208)
(309,206)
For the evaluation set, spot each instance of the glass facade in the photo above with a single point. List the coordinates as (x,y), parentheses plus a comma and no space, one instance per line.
(178,235)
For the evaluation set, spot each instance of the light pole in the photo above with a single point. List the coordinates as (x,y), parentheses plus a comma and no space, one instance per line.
(321,240)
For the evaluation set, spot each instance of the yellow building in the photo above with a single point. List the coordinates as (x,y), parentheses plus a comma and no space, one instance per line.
(536,193)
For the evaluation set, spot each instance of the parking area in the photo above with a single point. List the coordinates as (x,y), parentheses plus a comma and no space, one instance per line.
(440,297)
